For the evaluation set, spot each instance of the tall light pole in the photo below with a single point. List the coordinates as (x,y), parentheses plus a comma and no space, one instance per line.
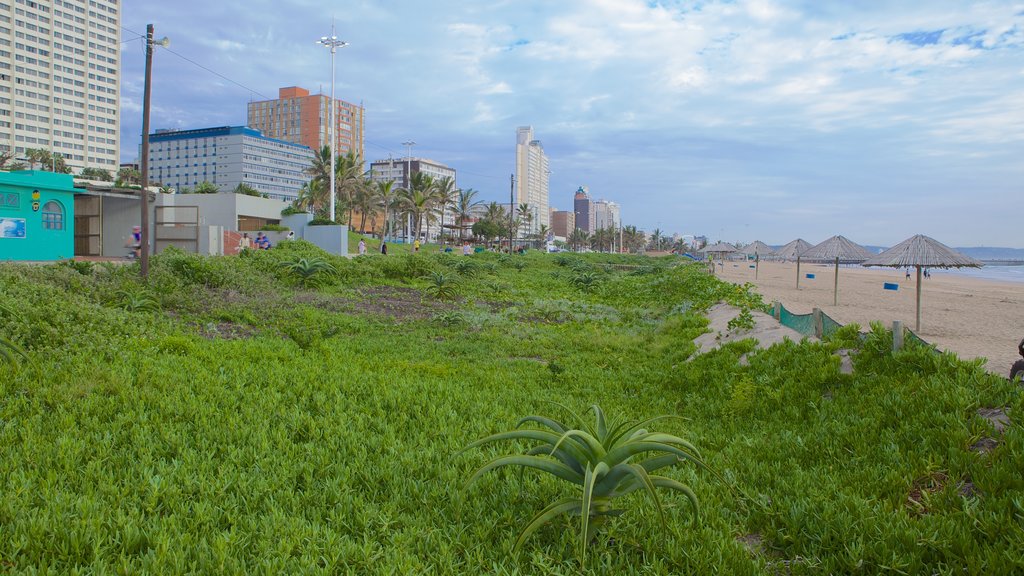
(144,168)
(333,43)
(408,182)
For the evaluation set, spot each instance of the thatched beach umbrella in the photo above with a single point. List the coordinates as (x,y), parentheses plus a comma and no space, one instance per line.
(920,251)
(840,249)
(757,249)
(792,251)
(720,248)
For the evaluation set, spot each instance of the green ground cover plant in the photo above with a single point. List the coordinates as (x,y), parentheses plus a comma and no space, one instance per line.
(250,424)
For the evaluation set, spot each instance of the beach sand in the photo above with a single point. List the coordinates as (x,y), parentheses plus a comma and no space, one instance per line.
(972,317)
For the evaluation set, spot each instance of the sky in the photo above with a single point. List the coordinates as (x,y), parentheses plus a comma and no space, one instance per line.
(739,120)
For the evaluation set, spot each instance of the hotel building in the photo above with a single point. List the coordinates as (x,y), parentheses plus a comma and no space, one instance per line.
(532,176)
(303,118)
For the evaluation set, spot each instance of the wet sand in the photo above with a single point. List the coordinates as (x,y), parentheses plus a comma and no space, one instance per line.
(972,317)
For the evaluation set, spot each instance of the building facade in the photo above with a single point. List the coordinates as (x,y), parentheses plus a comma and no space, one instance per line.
(228,156)
(60,77)
(401,171)
(583,208)
(606,215)
(532,175)
(37,216)
(303,118)
(563,223)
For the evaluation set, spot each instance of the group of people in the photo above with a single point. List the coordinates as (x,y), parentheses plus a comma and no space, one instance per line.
(924,273)
(467,248)
(261,242)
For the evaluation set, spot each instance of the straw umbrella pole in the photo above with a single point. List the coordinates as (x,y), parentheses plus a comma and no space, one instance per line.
(793,250)
(837,248)
(921,251)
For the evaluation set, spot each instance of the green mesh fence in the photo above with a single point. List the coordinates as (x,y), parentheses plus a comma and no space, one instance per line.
(804,324)
(828,325)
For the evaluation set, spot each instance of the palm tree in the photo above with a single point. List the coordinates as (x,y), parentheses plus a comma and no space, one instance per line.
(419,200)
(526,217)
(578,239)
(656,238)
(385,195)
(446,194)
(313,196)
(465,205)
(366,201)
(348,177)
(632,238)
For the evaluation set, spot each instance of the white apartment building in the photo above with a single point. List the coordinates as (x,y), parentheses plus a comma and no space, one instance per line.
(60,77)
(606,214)
(532,177)
(401,170)
(228,156)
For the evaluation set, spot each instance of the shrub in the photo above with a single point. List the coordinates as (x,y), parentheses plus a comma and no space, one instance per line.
(441,286)
(308,270)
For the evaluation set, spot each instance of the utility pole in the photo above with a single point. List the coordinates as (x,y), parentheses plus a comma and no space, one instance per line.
(144,192)
(511,210)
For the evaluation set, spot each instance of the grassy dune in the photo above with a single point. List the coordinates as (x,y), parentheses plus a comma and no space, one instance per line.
(222,419)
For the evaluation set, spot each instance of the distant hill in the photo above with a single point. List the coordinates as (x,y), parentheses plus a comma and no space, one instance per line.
(993,253)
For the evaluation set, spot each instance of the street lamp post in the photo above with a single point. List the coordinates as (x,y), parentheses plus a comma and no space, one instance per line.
(144,161)
(333,43)
(408,183)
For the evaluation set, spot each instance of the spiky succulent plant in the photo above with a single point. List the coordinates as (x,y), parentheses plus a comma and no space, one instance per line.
(602,462)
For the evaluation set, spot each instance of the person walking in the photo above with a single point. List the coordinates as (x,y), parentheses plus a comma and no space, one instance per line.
(384,248)
(416,245)
(362,246)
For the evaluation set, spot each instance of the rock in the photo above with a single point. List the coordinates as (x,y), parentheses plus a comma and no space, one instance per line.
(996,416)
(845,361)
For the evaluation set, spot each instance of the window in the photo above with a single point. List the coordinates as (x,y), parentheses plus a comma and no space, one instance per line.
(53,216)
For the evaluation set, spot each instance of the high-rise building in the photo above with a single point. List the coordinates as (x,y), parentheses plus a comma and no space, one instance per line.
(60,77)
(563,223)
(584,210)
(303,118)
(228,156)
(606,214)
(532,176)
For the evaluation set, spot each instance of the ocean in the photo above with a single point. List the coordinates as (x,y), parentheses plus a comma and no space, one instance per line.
(993,272)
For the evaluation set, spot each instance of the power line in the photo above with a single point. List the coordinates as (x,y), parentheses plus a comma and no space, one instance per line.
(214,72)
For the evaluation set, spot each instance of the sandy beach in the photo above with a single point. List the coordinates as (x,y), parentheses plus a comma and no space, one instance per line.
(972,317)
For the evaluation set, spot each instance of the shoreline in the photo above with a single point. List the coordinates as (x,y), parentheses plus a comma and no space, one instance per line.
(972,317)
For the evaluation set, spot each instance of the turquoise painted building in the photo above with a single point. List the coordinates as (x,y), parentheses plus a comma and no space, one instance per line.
(36,216)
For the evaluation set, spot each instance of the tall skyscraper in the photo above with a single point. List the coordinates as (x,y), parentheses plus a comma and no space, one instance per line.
(532,177)
(606,214)
(299,117)
(60,77)
(584,210)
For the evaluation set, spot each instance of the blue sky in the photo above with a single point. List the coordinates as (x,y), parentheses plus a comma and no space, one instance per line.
(740,120)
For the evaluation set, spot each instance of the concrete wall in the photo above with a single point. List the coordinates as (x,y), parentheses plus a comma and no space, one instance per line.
(23,199)
(333,239)
(118,217)
(224,209)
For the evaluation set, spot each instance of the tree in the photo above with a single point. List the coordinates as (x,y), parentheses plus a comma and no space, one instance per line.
(542,234)
(578,239)
(366,201)
(445,193)
(656,239)
(419,200)
(526,218)
(205,187)
(128,177)
(348,178)
(385,195)
(97,174)
(5,162)
(465,205)
(47,162)
(632,239)
(247,190)
(493,224)
(313,196)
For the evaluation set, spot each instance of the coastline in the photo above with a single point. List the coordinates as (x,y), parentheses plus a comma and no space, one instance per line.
(972,317)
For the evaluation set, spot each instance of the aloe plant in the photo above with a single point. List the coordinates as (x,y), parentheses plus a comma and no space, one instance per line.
(136,301)
(308,270)
(441,286)
(599,462)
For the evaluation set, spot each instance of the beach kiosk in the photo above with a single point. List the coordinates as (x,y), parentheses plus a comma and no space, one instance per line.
(36,216)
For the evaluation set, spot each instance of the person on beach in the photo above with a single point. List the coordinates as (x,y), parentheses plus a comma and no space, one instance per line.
(908,273)
(362,246)
(1017,370)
